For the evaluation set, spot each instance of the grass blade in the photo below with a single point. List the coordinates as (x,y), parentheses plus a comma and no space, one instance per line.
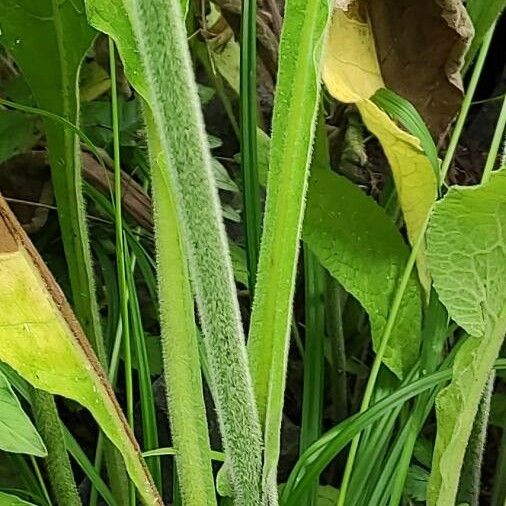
(248,136)
(314,359)
(321,453)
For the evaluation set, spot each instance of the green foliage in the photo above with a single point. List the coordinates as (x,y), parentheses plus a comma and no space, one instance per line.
(41,341)
(468,263)
(17,433)
(179,344)
(295,110)
(360,246)
(59,33)
(12,500)
(156,59)
(319,455)
(57,461)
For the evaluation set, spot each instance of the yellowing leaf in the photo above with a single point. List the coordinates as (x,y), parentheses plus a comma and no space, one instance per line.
(351,73)
(41,339)
(350,66)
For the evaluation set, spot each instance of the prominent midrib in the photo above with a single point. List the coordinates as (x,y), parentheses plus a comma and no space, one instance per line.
(284,194)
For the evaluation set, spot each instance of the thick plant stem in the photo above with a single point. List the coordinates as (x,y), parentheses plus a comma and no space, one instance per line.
(295,113)
(171,94)
(57,462)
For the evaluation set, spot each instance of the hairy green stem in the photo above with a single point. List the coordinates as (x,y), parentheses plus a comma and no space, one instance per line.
(170,91)
(470,475)
(295,112)
(57,462)
(182,371)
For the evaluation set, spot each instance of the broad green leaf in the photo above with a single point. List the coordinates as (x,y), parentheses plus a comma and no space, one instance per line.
(17,433)
(467,258)
(295,109)
(12,500)
(151,39)
(41,339)
(17,134)
(351,73)
(360,246)
(327,496)
(48,40)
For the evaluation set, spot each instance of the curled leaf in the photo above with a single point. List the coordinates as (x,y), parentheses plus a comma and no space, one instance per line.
(352,74)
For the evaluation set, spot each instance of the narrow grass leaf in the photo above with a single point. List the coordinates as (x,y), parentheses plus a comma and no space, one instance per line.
(295,111)
(351,73)
(467,258)
(360,246)
(151,39)
(319,455)
(17,433)
(405,113)
(248,135)
(41,339)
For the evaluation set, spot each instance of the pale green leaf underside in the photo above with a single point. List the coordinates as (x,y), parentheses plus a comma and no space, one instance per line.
(467,257)
(17,433)
(467,253)
(38,343)
(360,246)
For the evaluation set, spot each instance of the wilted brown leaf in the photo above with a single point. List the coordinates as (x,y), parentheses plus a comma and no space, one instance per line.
(420,46)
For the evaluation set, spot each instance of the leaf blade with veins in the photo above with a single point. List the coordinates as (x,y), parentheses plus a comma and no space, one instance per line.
(466,243)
